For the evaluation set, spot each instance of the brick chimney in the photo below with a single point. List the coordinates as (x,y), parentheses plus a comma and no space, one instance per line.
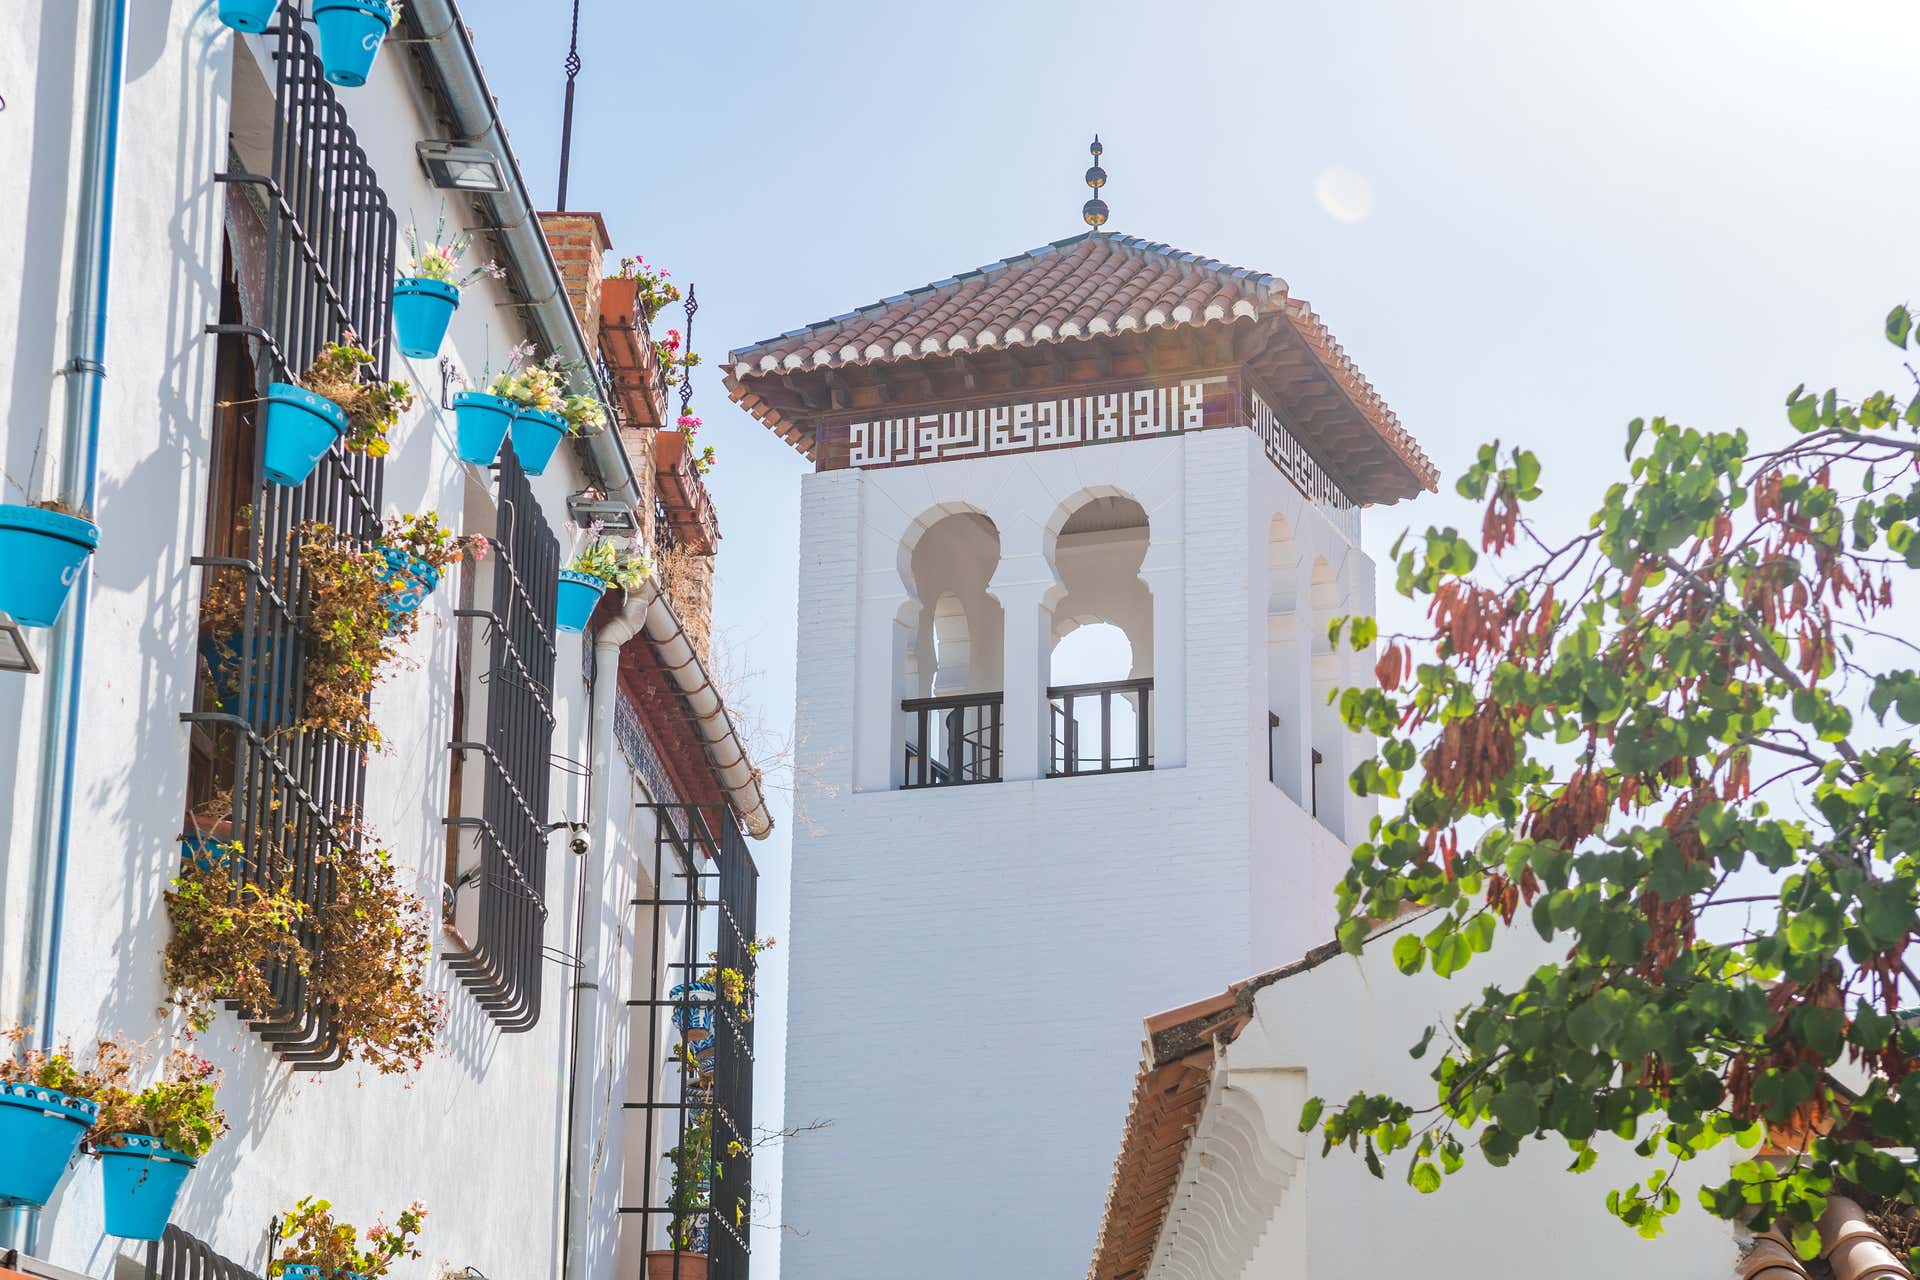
(580,242)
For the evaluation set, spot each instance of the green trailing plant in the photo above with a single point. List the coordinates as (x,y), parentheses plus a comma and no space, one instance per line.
(653,289)
(704,459)
(372,407)
(734,988)
(674,363)
(89,1078)
(1594,738)
(425,537)
(372,960)
(694,1172)
(624,567)
(230,933)
(360,939)
(352,638)
(547,385)
(180,1109)
(311,1236)
(584,413)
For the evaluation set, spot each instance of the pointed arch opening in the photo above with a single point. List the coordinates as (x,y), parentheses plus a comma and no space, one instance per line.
(950,675)
(1100,668)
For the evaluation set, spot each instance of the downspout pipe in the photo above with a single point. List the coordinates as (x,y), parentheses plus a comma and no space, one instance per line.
(86,373)
(583,1103)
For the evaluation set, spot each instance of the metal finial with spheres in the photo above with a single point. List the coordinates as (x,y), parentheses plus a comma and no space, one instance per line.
(1094,211)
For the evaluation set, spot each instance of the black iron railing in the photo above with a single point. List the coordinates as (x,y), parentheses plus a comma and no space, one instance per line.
(699,1078)
(952,741)
(330,233)
(328,266)
(179,1256)
(502,964)
(1101,728)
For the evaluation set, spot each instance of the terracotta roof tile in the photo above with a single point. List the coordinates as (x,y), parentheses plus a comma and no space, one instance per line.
(1091,284)
(1851,1248)
(1062,289)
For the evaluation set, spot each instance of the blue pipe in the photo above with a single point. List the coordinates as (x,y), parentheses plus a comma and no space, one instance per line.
(86,372)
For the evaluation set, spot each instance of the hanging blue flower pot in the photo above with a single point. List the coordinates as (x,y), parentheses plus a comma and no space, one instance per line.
(226,673)
(248,15)
(40,1129)
(301,427)
(350,36)
(409,580)
(422,309)
(535,434)
(142,1181)
(697,1013)
(578,593)
(480,422)
(42,552)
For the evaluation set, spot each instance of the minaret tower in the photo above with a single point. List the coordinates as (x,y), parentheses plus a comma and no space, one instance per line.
(1001,858)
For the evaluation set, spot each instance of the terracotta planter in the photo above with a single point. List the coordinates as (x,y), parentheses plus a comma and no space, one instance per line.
(660,1265)
(616,300)
(670,445)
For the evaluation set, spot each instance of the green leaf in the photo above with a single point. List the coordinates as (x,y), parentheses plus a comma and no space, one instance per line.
(1409,953)
(1310,1114)
(1899,325)
(1424,1177)
(1517,1110)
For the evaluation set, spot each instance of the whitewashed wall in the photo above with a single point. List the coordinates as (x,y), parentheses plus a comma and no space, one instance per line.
(970,965)
(1257,1201)
(479,1133)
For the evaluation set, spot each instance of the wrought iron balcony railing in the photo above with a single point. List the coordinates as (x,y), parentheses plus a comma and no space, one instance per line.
(696,1098)
(1101,728)
(952,741)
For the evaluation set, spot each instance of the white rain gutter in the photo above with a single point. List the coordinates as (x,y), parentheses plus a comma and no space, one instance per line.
(449,51)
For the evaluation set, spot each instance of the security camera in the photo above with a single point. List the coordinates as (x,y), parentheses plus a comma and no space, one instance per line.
(578,843)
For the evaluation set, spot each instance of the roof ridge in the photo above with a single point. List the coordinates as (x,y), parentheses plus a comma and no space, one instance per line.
(1264,281)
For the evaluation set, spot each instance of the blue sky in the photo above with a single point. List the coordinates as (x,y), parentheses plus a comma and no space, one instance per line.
(1525,220)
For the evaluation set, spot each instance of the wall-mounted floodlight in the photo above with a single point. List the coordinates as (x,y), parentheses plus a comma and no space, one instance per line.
(457,168)
(613,517)
(14,654)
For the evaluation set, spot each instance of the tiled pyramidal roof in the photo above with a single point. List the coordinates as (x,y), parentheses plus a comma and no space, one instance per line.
(1083,287)
(1089,284)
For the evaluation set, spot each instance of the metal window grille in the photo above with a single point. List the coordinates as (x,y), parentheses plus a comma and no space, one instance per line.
(179,1256)
(330,235)
(707,886)
(502,965)
(1090,735)
(951,741)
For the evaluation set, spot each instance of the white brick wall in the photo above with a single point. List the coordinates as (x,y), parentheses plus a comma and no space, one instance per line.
(970,966)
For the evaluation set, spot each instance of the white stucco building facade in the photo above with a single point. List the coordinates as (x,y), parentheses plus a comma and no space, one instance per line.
(517,1133)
